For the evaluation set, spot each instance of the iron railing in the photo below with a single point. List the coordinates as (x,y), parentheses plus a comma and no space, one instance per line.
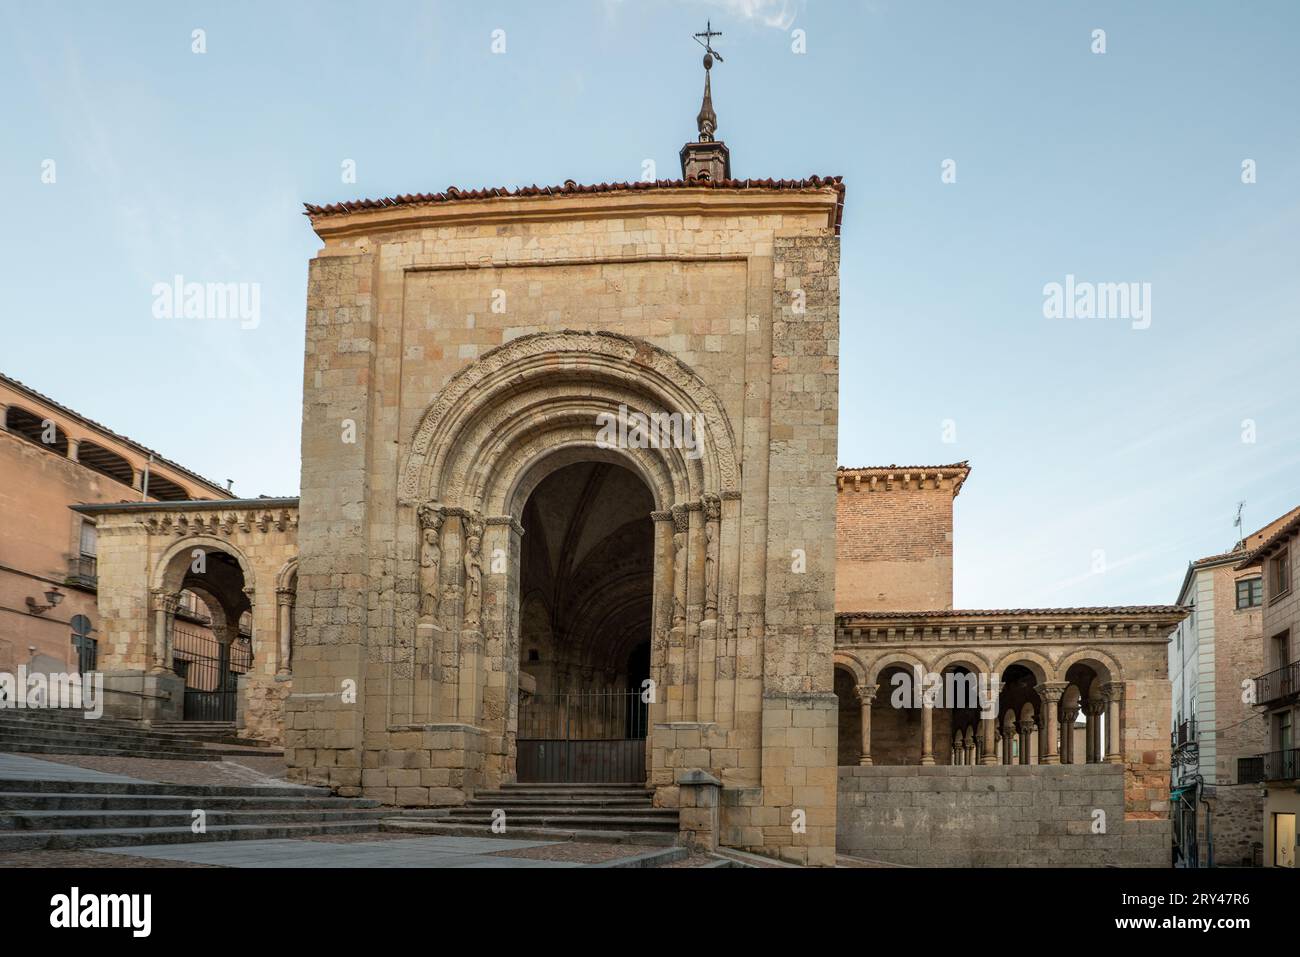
(1250,770)
(1271,766)
(1183,733)
(84,571)
(584,737)
(211,670)
(1278,685)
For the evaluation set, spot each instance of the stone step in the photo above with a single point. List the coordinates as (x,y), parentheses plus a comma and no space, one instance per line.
(134,837)
(35,747)
(46,820)
(153,787)
(11,738)
(71,800)
(196,734)
(516,807)
(504,800)
(628,822)
(567,793)
(657,838)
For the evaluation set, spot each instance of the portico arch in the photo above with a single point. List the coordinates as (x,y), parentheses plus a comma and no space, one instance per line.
(492,439)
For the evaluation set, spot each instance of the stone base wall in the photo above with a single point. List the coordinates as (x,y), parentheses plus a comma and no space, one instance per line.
(261,707)
(137,696)
(995,816)
(432,765)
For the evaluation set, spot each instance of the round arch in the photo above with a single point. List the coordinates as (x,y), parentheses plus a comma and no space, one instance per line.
(1106,667)
(1036,664)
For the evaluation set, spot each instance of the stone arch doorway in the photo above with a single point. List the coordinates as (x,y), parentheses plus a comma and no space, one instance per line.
(586,595)
(495,433)
(203,601)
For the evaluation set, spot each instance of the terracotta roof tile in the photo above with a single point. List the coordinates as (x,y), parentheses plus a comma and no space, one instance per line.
(453,194)
(1097,611)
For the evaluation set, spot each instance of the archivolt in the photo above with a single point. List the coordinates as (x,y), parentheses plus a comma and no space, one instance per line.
(519,394)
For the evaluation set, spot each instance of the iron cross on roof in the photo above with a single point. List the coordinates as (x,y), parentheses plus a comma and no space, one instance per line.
(705,40)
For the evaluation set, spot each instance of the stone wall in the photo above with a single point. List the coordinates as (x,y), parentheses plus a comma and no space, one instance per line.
(995,816)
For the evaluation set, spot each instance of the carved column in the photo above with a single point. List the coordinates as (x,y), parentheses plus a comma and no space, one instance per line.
(164,611)
(866,697)
(1113,696)
(430,561)
(1008,734)
(1050,694)
(284,598)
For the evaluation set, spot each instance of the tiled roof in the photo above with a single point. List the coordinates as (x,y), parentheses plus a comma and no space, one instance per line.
(455,195)
(1283,533)
(904,468)
(73,413)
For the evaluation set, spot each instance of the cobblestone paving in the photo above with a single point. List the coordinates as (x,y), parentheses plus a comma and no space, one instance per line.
(578,853)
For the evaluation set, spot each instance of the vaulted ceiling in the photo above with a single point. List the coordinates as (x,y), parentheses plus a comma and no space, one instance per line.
(588,551)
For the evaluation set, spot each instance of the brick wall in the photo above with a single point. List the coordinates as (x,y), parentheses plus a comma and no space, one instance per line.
(893,545)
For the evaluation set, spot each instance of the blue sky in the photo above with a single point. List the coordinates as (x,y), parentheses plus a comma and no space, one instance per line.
(1087,437)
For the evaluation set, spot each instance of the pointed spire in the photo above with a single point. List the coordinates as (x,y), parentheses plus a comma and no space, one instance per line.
(707,159)
(707,121)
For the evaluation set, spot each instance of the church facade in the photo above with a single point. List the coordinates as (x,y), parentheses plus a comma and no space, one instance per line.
(577,446)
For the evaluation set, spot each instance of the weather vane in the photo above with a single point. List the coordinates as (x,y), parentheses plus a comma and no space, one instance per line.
(707,121)
(705,40)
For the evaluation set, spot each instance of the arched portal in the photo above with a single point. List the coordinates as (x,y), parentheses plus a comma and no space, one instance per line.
(480,470)
(586,590)
(203,598)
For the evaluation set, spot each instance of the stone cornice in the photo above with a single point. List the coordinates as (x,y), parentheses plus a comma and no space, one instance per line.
(1010,626)
(818,201)
(891,478)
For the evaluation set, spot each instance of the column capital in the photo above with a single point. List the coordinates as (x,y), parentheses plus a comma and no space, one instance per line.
(1112,691)
(1051,691)
(866,694)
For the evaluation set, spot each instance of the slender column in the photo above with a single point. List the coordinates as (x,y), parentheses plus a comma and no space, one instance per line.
(1026,741)
(1093,744)
(1050,693)
(988,727)
(1068,717)
(866,697)
(1113,696)
(927,732)
(972,750)
(164,609)
(1008,733)
(284,610)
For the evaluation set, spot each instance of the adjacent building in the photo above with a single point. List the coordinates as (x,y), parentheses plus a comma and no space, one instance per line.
(1276,692)
(1217,815)
(52,458)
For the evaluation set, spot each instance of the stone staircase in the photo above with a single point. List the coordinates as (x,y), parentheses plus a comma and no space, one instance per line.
(52,731)
(601,813)
(46,815)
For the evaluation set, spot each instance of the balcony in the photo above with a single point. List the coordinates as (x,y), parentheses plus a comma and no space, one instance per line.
(1183,734)
(1278,685)
(1270,766)
(83,571)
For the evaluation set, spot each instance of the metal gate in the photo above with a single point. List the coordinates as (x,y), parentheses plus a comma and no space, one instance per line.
(582,737)
(211,670)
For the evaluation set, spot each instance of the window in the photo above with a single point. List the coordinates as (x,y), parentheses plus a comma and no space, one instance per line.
(87,648)
(1250,592)
(1279,574)
(88,540)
